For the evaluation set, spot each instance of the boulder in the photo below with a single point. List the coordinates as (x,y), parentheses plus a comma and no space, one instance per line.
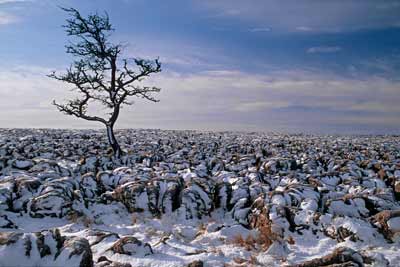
(130,245)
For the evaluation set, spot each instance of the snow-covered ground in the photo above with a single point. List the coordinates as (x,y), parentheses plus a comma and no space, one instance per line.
(185,198)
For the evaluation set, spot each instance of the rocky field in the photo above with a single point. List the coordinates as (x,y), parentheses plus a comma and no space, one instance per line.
(185,198)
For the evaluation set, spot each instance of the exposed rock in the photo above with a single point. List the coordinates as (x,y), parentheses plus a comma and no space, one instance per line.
(42,248)
(130,245)
(5,222)
(341,256)
(103,261)
(338,188)
(388,222)
(196,264)
(22,164)
(77,248)
(55,198)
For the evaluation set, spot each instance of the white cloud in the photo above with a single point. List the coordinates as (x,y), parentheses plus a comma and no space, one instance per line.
(260,105)
(374,106)
(218,100)
(304,29)
(281,87)
(183,53)
(320,16)
(388,5)
(12,1)
(264,29)
(324,49)
(6,18)
(232,12)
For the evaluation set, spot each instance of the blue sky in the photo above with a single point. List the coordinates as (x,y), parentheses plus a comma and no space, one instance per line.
(298,66)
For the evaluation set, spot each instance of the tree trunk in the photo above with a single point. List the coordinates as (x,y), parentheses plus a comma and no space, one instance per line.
(113,142)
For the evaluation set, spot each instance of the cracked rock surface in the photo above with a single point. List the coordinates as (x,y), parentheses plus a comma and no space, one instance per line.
(187,198)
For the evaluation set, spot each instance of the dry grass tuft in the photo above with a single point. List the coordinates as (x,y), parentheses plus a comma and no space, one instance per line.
(133,219)
(215,250)
(201,230)
(73,217)
(87,221)
(249,243)
(239,262)
(265,236)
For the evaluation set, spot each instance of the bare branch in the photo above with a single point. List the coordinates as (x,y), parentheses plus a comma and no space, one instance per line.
(98,74)
(146,67)
(77,108)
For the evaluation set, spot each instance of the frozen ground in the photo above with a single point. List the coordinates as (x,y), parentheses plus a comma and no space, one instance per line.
(180,198)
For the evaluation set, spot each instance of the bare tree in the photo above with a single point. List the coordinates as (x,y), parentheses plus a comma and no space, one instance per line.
(99,74)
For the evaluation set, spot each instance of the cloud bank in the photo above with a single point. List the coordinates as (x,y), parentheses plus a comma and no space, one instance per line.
(324,49)
(308,15)
(6,18)
(221,100)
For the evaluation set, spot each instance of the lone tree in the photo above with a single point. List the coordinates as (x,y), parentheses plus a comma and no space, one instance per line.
(99,74)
